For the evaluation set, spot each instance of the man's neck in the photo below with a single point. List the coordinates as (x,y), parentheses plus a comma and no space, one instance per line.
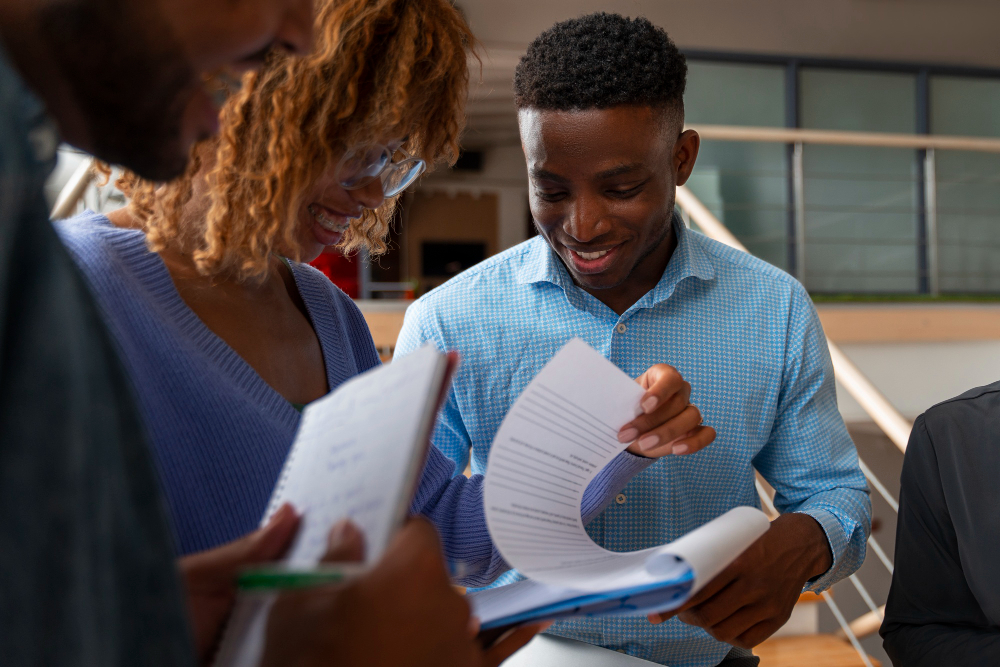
(643,278)
(30,55)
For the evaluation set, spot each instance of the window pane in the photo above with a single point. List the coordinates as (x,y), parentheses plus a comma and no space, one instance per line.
(728,94)
(744,184)
(861,203)
(968,185)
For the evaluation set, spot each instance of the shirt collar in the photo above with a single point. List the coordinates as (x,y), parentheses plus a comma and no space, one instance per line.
(541,264)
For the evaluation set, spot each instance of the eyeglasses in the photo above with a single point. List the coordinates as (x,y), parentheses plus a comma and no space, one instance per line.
(363,165)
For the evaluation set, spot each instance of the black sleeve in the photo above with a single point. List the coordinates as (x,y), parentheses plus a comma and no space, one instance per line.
(932,616)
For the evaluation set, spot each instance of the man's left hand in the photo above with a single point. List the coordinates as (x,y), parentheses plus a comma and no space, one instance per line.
(753,597)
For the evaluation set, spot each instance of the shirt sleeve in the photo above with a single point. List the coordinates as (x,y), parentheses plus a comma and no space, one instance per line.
(455,506)
(932,617)
(810,459)
(450,435)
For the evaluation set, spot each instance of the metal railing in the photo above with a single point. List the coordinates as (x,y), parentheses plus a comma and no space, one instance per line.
(931,266)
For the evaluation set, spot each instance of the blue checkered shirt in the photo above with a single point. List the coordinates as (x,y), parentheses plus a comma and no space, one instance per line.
(742,332)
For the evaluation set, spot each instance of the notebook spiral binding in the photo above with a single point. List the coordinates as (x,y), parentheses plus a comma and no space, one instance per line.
(279,487)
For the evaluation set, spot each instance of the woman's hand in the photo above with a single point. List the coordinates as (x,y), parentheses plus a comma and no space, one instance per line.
(669,423)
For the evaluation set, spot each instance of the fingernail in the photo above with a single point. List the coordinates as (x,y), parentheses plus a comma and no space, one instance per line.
(647,442)
(628,435)
(650,404)
(680,449)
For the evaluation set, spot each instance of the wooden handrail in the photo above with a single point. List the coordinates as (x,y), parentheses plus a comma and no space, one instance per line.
(784,135)
(853,380)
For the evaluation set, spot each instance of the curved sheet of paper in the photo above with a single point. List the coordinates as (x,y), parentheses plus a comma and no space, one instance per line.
(555,439)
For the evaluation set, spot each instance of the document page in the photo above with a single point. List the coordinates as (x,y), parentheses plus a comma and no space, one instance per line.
(559,434)
(357,455)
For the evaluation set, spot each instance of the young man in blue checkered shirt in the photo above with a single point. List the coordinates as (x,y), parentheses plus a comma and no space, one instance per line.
(600,109)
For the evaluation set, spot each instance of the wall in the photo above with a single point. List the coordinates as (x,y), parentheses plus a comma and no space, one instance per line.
(915,376)
(446,217)
(961,32)
(503,175)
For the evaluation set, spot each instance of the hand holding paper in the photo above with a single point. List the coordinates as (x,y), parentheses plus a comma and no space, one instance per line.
(669,423)
(402,612)
(754,595)
(555,439)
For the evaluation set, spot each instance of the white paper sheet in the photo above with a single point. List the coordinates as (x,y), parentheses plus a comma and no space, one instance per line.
(348,461)
(558,435)
(351,461)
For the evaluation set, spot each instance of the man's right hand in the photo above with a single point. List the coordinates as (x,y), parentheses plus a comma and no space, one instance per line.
(404,612)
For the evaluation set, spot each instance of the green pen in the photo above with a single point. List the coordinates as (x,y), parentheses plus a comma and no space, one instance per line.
(278,577)
(282,577)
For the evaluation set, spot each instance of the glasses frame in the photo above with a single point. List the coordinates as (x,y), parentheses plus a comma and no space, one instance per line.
(387,170)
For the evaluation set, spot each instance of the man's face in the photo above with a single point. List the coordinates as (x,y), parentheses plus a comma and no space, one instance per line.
(135,68)
(601,189)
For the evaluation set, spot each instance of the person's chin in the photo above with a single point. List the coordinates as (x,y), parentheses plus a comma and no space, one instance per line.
(601,281)
(324,237)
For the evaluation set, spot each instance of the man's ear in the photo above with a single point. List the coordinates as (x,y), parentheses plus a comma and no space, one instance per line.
(685,154)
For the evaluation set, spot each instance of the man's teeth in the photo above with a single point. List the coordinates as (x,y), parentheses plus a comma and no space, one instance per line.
(591,255)
(326,222)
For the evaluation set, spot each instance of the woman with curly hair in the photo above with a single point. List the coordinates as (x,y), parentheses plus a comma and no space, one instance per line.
(224,330)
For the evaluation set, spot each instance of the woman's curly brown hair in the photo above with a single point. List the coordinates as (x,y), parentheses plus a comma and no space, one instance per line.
(378,67)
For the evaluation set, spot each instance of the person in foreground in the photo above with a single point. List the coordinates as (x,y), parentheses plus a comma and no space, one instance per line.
(944,602)
(600,110)
(87,571)
(225,338)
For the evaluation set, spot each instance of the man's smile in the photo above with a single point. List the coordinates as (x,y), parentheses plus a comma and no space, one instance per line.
(590,262)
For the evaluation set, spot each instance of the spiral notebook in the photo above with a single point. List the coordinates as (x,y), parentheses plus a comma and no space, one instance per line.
(358,454)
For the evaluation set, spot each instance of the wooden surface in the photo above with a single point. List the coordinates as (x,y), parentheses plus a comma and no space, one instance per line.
(385,327)
(385,319)
(905,323)
(809,651)
(861,323)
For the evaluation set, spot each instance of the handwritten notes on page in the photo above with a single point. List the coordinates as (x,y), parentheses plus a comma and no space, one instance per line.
(357,455)
(559,434)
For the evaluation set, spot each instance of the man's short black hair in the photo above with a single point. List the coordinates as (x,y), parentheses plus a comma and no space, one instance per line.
(599,61)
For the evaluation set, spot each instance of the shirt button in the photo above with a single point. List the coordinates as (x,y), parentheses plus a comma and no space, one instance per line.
(621,650)
(620,499)
(621,328)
